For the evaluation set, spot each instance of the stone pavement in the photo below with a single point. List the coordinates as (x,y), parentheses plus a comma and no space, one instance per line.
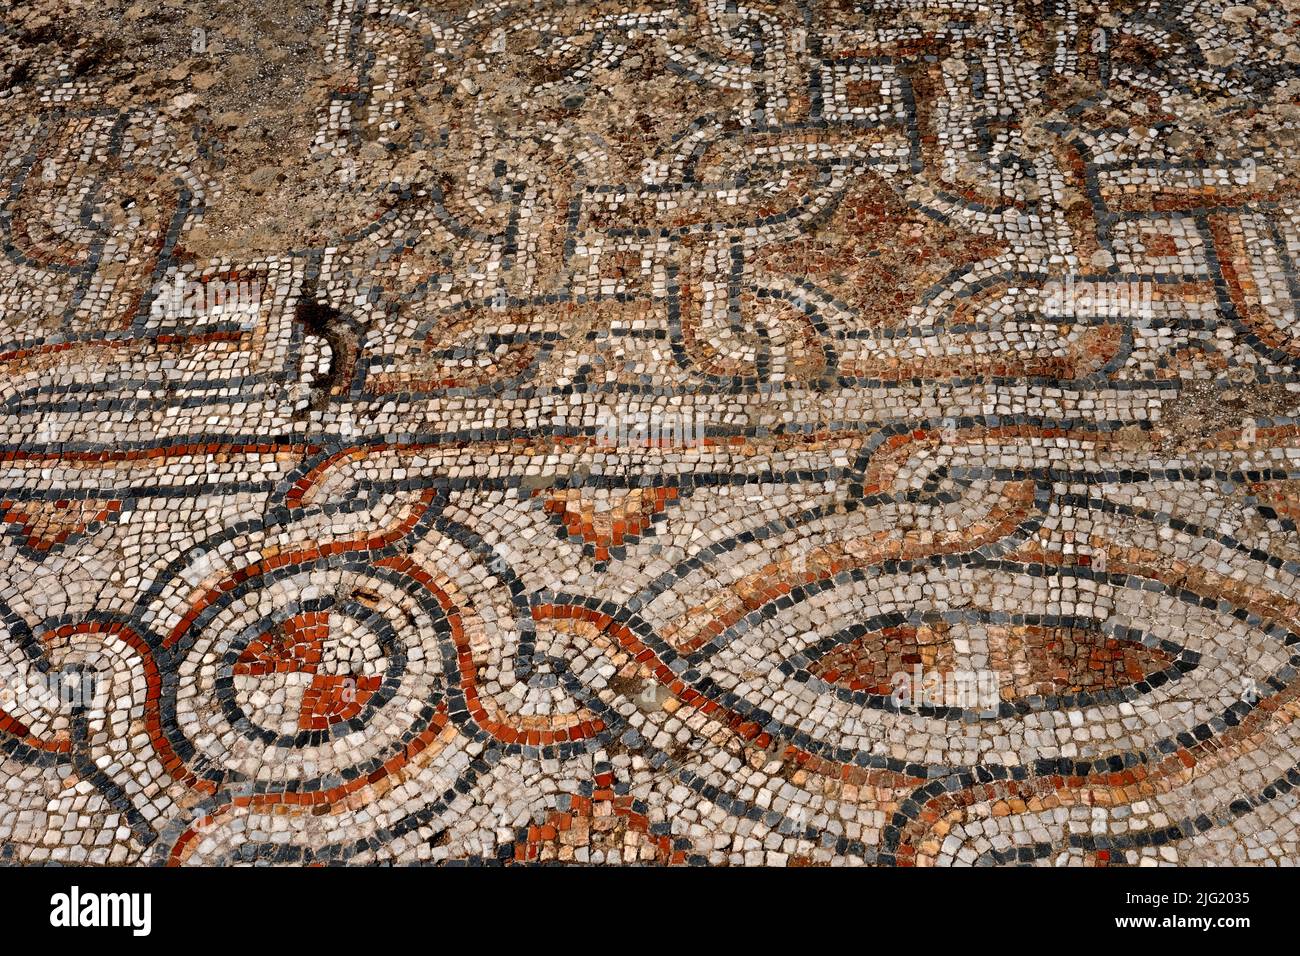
(686,432)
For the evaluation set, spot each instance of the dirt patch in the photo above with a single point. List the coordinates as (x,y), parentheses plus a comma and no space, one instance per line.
(1205,408)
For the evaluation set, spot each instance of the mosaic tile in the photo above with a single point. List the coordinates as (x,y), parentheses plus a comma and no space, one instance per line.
(692,433)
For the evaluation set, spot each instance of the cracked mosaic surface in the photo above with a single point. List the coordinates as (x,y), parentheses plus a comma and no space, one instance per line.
(467,432)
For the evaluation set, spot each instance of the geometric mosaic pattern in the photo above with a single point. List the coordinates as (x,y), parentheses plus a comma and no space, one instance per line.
(692,433)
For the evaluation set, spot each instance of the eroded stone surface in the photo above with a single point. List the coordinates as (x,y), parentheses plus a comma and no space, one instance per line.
(802,433)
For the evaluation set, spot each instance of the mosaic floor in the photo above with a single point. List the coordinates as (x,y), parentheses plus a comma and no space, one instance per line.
(816,432)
